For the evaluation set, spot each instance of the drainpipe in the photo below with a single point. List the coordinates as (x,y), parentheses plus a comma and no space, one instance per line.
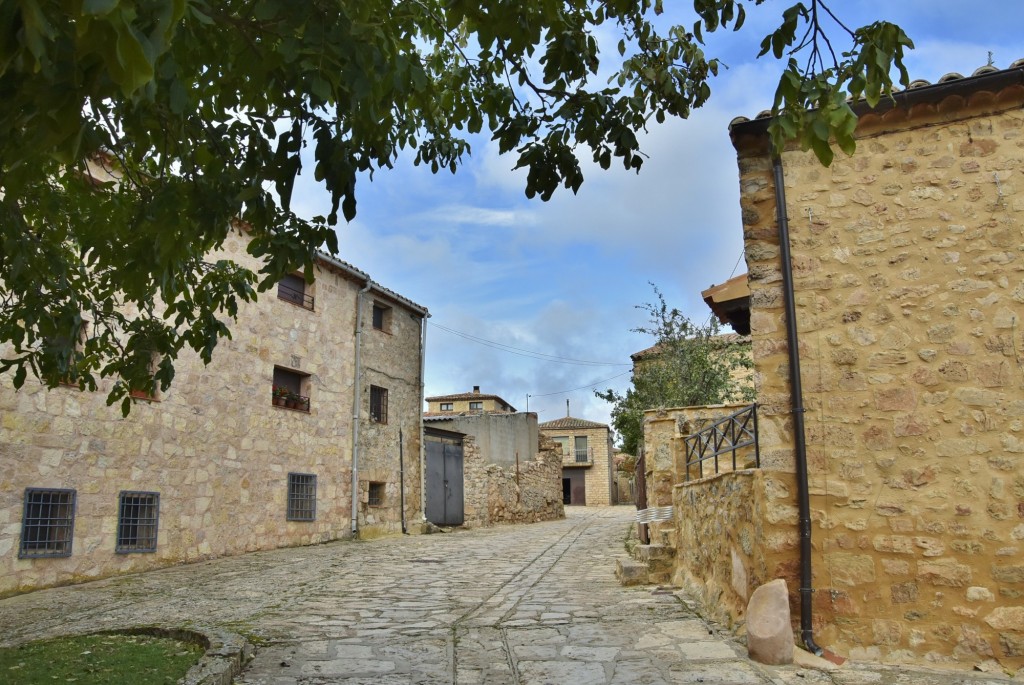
(356,406)
(401,477)
(796,393)
(423,390)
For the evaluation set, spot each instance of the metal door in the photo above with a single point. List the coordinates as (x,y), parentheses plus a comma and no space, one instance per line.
(444,484)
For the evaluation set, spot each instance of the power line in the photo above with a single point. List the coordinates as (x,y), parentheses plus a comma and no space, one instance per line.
(582,387)
(531,354)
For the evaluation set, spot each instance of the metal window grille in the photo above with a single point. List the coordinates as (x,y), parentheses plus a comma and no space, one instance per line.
(378,404)
(301,497)
(137,522)
(48,523)
(376,497)
(292,288)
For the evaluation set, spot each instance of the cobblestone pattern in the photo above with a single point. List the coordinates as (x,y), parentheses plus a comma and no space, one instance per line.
(509,604)
(909,280)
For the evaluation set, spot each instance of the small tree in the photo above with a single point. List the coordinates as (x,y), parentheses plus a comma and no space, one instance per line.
(689,364)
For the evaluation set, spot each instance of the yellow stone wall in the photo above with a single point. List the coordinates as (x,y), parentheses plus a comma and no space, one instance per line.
(214,447)
(908,264)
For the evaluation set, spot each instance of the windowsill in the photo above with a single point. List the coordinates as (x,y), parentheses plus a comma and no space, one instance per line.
(144,398)
(297,409)
(382,330)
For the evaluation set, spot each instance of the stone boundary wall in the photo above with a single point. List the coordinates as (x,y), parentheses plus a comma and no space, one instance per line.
(495,494)
(908,268)
(720,541)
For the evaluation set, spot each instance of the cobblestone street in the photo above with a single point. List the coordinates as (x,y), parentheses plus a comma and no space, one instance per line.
(516,604)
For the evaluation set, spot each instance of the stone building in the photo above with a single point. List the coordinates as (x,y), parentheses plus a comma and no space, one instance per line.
(907,276)
(468,402)
(215,466)
(587,468)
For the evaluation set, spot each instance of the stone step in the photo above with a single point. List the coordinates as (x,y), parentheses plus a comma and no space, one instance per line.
(630,572)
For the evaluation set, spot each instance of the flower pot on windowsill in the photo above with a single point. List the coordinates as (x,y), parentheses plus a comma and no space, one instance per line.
(279,401)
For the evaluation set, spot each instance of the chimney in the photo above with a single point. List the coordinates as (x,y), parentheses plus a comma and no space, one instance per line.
(567,408)
(476,389)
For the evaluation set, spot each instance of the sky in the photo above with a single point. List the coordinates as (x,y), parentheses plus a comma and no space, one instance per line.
(560,281)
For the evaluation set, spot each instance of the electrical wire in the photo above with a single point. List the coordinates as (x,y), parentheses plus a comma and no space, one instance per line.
(531,354)
(582,387)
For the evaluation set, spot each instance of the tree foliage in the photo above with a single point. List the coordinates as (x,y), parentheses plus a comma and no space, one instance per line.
(689,365)
(206,111)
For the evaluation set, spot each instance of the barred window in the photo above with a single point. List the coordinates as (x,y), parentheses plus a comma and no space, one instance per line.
(137,522)
(301,497)
(48,523)
(378,404)
(376,495)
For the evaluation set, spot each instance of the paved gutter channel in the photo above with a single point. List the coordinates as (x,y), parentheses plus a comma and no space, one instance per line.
(514,604)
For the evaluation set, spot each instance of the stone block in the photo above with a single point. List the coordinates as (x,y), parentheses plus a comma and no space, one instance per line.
(630,572)
(769,633)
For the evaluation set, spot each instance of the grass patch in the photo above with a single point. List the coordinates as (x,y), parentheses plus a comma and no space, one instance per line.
(112,659)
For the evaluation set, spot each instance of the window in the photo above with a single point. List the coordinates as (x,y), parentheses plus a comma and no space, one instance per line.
(138,514)
(69,377)
(476,405)
(290,389)
(48,523)
(447,406)
(376,496)
(378,404)
(581,449)
(381,317)
(292,288)
(301,497)
(152,393)
(564,443)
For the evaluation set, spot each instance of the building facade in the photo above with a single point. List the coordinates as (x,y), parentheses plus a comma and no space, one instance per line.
(908,288)
(468,402)
(587,468)
(257,450)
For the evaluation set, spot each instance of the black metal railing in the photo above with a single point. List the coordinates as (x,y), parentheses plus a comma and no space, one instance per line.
(728,434)
(294,296)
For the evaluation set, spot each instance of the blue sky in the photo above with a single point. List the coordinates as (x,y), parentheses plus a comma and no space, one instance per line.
(562,278)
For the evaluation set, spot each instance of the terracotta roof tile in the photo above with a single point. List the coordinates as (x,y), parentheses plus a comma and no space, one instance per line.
(570,423)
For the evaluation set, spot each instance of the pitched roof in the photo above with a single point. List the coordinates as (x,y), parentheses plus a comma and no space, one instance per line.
(474,396)
(570,423)
(919,91)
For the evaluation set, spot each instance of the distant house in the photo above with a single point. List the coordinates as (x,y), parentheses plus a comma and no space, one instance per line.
(284,439)
(587,468)
(468,402)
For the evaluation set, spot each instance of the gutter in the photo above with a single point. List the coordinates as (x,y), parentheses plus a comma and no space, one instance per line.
(423,391)
(796,395)
(357,404)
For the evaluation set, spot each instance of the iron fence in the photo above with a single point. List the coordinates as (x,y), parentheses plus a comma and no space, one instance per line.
(294,296)
(728,434)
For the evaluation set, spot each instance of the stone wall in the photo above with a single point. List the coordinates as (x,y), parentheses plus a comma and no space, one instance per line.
(498,494)
(908,265)
(500,437)
(214,447)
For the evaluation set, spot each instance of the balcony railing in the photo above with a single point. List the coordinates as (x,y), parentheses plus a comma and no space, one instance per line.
(582,456)
(294,296)
(729,434)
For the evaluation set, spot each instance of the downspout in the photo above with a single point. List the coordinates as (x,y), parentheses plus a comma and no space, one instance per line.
(357,403)
(401,477)
(423,390)
(796,394)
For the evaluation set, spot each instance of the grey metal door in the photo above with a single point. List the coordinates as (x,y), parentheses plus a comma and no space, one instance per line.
(444,484)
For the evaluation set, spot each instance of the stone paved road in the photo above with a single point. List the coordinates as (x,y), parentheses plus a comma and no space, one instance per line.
(516,604)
